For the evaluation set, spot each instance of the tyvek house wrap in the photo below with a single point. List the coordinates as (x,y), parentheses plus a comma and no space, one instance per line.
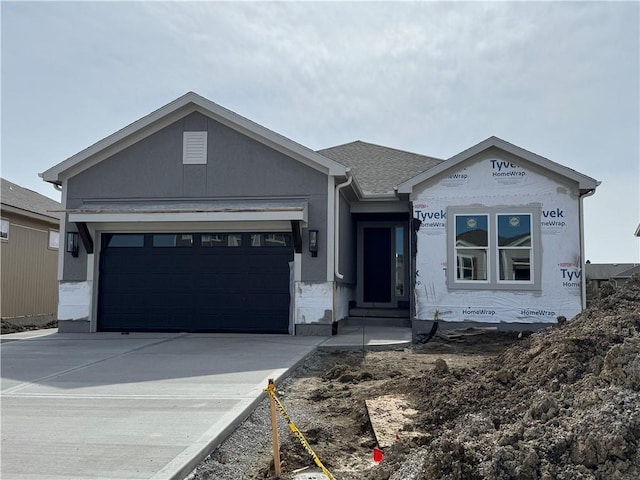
(495,182)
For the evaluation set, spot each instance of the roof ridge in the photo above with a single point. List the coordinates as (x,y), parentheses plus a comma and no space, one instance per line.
(381,146)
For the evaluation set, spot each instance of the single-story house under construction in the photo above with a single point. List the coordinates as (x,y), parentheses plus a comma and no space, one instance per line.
(196,219)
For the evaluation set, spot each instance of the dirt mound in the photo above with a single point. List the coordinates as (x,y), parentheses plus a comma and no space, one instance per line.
(564,403)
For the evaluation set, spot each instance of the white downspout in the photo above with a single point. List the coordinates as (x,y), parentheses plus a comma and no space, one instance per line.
(336,229)
(583,286)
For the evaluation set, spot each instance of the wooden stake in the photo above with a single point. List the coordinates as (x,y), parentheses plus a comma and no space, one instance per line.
(274,428)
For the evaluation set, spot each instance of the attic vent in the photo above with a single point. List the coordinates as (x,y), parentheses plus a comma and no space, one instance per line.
(194,148)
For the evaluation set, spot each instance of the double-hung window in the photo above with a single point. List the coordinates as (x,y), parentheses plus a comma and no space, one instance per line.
(514,247)
(472,247)
(495,248)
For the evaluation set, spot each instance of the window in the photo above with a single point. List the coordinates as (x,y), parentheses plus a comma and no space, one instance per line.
(472,245)
(270,240)
(399,261)
(173,240)
(123,240)
(494,248)
(514,247)
(54,239)
(4,229)
(221,240)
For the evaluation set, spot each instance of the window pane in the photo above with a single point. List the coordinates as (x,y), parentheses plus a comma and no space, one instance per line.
(4,229)
(270,240)
(399,260)
(472,231)
(221,240)
(514,230)
(124,240)
(471,264)
(173,240)
(515,264)
(54,239)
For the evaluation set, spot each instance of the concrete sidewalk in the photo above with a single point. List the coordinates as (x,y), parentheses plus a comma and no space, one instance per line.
(148,406)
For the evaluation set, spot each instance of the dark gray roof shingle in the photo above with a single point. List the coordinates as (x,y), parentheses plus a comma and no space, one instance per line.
(379,169)
(24,199)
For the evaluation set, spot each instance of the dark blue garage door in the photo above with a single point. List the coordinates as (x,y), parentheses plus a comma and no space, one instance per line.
(195,282)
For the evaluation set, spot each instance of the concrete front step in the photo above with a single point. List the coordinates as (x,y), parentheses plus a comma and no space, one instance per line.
(379,313)
(379,321)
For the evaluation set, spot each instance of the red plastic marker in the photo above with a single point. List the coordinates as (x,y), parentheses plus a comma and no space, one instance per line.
(377,455)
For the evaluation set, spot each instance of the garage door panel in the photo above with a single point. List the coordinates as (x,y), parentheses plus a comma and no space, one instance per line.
(219,282)
(257,285)
(265,302)
(123,265)
(125,282)
(226,302)
(209,288)
(169,283)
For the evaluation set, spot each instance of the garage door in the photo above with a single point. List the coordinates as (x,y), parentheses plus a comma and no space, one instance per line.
(195,282)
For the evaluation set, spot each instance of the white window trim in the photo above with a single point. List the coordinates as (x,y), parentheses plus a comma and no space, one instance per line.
(5,221)
(50,246)
(493,256)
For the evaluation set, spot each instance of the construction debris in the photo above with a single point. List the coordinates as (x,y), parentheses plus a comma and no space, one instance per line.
(563,403)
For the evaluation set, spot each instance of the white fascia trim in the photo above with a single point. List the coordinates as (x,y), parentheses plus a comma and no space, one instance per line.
(300,215)
(101,151)
(172,112)
(63,233)
(269,138)
(584,182)
(141,128)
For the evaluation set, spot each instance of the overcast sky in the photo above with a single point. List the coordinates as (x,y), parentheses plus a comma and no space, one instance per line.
(559,79)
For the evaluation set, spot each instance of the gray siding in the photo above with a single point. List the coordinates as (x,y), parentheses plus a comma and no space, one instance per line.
(347,241)
(238,167)
(29,269)
(74,268)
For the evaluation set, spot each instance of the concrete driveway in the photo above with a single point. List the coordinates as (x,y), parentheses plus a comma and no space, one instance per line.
(112,406)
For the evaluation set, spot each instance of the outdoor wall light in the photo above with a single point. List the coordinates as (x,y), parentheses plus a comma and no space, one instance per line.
(313,242)
(72,243)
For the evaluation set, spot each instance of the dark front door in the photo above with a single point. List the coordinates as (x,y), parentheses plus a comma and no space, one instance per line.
(376,267)
(382,273)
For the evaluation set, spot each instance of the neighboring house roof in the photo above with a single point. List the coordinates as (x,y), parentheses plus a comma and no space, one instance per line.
(585,183)
(606,271)
(628,273)
(377,169)
(27,202)
(179,108)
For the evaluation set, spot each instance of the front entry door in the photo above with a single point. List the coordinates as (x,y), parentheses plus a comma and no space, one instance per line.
(381,264)
(376,273)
